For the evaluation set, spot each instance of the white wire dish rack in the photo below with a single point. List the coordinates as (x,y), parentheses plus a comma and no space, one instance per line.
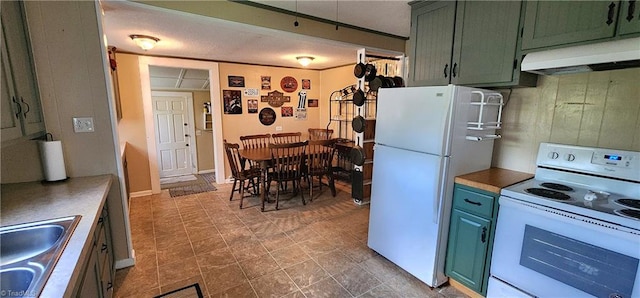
(489,110)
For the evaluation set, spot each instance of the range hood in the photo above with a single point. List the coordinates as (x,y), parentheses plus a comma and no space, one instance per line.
(609,55)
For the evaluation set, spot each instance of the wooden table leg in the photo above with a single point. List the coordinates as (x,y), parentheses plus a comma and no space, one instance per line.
(263,193)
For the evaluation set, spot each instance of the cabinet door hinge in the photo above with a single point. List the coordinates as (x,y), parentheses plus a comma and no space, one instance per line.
(515,63)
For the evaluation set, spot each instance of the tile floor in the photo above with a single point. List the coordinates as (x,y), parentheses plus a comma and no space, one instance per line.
(317,250)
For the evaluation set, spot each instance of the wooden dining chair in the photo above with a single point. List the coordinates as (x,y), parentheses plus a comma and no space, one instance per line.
(246,177)
(320,134)
(286,161)
(319,162)
(255,141)
(252,142)
(287,137)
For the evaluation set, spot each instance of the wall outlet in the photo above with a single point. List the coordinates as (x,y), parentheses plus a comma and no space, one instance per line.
(83,124)
(278,128)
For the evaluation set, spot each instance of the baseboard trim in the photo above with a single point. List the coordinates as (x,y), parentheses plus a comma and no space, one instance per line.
(207,171)
(143,193)
(460,287)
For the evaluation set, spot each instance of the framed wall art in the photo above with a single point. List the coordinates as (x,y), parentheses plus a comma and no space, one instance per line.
(252,106)
(289,84)
(266,82)
(312,103)
(286,111)
(232,101)
(267,116)
(236,81)
(306,84)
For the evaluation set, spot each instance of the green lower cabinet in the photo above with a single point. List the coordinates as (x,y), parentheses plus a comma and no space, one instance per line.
(468,238)
(471,232)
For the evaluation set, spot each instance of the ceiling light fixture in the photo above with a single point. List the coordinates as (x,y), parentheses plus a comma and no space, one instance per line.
(145,42)
(304,60)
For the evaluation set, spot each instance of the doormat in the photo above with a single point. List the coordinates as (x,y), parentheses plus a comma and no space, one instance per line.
(199,186)
(191,291)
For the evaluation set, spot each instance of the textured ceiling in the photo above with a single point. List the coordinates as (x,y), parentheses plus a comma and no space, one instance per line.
(193,36)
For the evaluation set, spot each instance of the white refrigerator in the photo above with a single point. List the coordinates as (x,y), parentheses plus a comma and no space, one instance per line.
(420,146)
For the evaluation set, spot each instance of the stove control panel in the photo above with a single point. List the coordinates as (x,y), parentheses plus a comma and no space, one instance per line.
(612,158)
(607,162)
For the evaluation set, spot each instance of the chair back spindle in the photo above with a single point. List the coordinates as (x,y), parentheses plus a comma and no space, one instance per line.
(287,137)
(255,141)
(320,134)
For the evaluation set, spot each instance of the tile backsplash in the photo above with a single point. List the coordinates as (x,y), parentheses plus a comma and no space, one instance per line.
(596,109)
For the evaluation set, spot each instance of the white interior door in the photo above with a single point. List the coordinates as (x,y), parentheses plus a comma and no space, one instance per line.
(173,120)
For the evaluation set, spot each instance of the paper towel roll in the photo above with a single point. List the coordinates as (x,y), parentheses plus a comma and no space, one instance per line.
(52,160)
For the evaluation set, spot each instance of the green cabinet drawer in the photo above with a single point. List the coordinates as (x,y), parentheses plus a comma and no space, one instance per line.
(474,202)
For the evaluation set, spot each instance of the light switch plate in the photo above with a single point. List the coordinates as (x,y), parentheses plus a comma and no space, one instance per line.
(278,128)
(83,124)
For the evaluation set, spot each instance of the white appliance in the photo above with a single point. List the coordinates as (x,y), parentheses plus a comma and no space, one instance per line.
(591,57)
(573,230)
(425,136)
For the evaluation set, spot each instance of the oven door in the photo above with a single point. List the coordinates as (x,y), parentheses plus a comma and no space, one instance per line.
(545,252)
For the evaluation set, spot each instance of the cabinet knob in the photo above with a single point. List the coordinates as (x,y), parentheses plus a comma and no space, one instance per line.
(104,247)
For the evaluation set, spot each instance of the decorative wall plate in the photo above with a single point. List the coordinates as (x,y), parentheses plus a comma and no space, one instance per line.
(267,116)
(275,98)
(289,84)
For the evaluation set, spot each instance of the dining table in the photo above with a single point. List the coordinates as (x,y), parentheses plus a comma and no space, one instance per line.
(261,156)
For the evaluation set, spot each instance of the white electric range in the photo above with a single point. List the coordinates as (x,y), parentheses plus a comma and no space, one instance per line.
(573,230)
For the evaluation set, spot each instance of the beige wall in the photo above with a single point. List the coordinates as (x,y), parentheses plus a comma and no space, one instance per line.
(598,109)
(204,141)
(132,126)
(234,126)
(332,80)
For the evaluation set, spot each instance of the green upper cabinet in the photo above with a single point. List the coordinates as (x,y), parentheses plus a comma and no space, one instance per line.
(20,99)
(557,23)
(486,41)
(629,18)
(473,43)
(432,27)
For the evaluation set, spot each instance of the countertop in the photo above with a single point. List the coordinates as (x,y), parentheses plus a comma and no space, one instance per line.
(35,201)
(493,179)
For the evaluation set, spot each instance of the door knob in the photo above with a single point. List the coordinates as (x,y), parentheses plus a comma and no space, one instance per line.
(187,135)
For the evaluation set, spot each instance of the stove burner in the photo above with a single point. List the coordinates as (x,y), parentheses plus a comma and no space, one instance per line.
(631,203)
(547,193)
(629,213)
(556,186)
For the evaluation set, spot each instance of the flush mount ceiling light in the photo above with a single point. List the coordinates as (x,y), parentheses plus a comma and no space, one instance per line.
(145,42)
(304,60)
